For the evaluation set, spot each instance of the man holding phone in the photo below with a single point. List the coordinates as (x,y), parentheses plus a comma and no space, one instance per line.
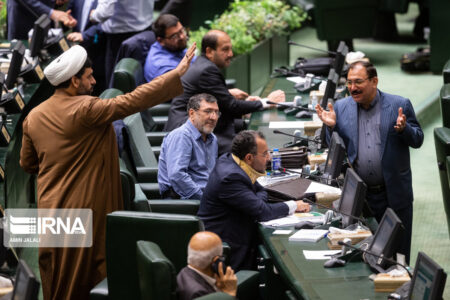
(205,272)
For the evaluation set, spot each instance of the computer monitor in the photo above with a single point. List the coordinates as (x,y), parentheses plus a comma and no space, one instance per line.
(330,89)
(40,31)
(335,158)
(339,59)
(428,281)
(15,65)
(26,286)
(385,240)
(352,198)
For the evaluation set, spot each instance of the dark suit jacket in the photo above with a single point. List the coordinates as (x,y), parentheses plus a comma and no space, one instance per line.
(23,13)
(231,207)
(395,159)
(205,77)
(91,29)
(191,285)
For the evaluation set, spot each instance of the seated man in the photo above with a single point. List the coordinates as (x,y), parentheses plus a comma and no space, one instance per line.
(233,201)
(203,275)
(188,154)
(169,48)
(205,76)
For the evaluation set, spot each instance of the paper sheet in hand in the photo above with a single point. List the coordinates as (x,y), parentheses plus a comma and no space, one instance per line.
(320,255)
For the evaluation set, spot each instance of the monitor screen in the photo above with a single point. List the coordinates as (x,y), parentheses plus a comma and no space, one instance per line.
(352,198)
(428,281)
(26,286)
(385,240)
(40,31)
(15,65)
(330,89)
(339,60)
(335,158)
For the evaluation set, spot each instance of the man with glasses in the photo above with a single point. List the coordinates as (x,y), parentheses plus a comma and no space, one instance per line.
(188,153)
(378,129)
(233,201)
(169,48)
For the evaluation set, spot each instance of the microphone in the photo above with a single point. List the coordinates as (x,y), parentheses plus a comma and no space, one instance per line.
(295,136)
(362,220)
(312,48)
(380,257)
(290,105)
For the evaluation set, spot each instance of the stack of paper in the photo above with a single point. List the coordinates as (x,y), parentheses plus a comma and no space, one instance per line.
(308,235)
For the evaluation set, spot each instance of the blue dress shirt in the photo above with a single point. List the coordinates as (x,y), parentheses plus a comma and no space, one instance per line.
(186,161)
(160,60)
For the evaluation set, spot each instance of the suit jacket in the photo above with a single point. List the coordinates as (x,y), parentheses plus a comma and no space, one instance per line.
(23,13)
(191,285)
(231,207)
(395,159)
(205,77)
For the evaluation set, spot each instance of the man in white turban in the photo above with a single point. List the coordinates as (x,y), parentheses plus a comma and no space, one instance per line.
(68,140)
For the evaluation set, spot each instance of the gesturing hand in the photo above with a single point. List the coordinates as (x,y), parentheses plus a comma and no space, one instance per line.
(328,117)
(184,64)
(401,121)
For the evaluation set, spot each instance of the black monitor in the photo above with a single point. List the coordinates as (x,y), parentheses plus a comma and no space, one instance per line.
(339,60)
(352,198)
(385,240)
(40,31)
(335,158)
(428,281)
(15,65)
(26,286)
(330,89)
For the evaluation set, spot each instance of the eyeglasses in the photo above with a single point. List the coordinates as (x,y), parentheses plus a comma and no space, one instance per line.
(211,112)
(264,154)
(357,82)
(177,34)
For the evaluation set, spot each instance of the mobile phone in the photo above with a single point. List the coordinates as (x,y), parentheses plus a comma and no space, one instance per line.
(215,265)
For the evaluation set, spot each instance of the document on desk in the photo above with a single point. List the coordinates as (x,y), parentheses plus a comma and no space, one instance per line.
(319,255)
(297,79)
(314,217)
(308,235)
(316,187)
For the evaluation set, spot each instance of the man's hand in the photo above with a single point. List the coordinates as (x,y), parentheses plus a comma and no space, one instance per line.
(253,98)
(184,64)
(75,37)
(401,121)
(277,96)
(63,17)
(238,94)
(302,206)
(227,282)
(328,117)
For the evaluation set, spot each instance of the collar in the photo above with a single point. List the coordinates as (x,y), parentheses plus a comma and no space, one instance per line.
(210,280)
(374,102)
(196,133)
(252,173)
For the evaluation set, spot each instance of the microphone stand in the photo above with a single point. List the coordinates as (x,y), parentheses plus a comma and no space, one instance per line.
(291,106)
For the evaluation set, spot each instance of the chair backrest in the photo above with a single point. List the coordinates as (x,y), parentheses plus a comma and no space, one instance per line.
(128,189)
(128,75)
(137,46)
(157,275)
(141,150)
(124,228)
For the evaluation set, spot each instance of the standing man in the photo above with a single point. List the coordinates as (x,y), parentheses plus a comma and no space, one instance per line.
(188,153)
(378,129)
(169,48)
(205,77)
(69,142)
(233,201)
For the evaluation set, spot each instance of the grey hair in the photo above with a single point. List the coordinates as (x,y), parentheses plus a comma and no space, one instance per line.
(194,101)
(202,258)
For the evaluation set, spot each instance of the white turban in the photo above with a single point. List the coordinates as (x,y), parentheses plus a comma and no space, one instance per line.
(66,65)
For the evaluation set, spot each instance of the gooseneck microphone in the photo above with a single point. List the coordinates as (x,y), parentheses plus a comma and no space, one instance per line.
(291,105)
(380,257)
(295,136)
(312,48)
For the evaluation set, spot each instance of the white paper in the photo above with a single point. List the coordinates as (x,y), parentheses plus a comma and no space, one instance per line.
(308,235)
(282,232)
(287,124)
(289,220)
(319,255)
(297,79)
(316,187)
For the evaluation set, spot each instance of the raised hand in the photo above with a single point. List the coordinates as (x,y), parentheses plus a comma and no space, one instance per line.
(328,117)
(184,64)
(401,121)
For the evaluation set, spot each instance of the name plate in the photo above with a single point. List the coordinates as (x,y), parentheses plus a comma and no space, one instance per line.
(63,44)
(19,101)
(39,72)
(5,134)
(2,174)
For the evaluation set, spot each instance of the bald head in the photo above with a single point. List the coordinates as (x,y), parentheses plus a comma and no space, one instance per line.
(203,247)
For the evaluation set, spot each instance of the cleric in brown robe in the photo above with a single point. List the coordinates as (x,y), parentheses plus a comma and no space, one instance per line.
(69,142)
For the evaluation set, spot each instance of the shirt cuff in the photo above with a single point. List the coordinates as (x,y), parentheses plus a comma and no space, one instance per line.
(264,103)
(292,206)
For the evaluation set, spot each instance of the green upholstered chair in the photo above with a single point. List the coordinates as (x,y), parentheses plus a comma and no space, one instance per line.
(442,143)
(185,207)
(128,74)
(338,20)
(171,232)
(157,276)
(446,72)
(445,104)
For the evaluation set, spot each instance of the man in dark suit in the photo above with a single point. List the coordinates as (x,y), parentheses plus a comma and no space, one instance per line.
(204,76)
(23,13)
(378,129)
(233,201)
(203,275)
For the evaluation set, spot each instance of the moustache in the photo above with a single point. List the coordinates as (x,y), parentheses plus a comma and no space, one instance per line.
(356,92)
